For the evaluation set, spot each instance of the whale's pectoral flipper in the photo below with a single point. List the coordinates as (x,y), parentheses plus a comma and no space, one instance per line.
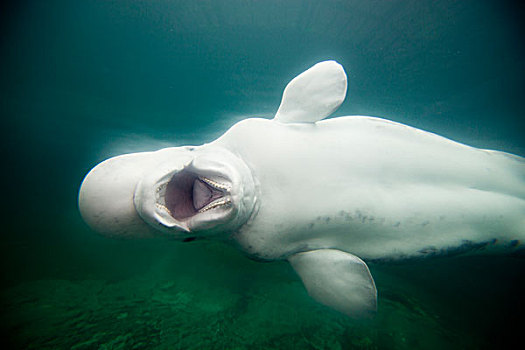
(337,279)
(314,94)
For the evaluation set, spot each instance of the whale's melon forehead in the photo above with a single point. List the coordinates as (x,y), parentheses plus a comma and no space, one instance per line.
(105,198)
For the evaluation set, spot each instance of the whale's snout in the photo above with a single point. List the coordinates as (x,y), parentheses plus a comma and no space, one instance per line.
(105,199)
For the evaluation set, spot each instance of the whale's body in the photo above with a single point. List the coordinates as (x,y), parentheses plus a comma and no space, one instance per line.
(327,195)
(375,188)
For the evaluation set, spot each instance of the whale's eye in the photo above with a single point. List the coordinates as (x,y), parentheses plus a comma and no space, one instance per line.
(188,194)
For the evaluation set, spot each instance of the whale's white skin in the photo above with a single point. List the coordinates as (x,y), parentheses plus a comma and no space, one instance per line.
(375,188)
(325,195)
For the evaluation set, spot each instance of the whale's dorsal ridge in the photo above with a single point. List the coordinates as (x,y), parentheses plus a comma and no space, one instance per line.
(314,94)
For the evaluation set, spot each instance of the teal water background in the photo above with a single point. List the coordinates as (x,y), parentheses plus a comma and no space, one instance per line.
(81,81)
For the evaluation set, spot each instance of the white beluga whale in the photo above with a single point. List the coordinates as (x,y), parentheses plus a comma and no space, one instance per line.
(326,195)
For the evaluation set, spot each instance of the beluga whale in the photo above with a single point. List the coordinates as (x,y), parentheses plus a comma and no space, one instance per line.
(327,195)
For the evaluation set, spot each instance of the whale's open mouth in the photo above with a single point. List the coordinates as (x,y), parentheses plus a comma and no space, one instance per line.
(187,194)
(199,191)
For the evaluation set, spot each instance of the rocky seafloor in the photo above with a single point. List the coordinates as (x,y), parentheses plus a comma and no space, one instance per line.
(220,300)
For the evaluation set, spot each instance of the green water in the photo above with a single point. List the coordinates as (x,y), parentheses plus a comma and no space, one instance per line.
(85,80)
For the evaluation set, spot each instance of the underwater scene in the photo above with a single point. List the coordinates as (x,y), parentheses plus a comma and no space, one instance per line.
(83,81)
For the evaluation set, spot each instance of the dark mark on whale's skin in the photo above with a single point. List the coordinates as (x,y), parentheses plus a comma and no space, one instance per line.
(465,248)
(358,216)
(428,250)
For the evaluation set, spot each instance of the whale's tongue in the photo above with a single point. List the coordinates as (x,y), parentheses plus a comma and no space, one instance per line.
(203,194)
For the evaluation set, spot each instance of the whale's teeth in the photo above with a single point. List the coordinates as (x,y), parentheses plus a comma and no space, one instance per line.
(215,204)
(216,184)
(160,191)
(162,207)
